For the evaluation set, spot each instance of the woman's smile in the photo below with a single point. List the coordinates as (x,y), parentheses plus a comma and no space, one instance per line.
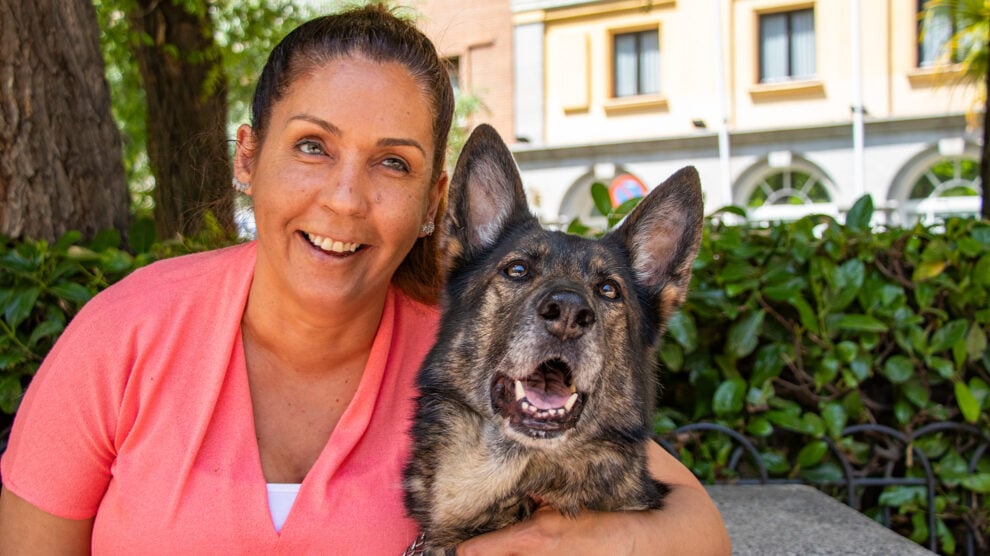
(332,246)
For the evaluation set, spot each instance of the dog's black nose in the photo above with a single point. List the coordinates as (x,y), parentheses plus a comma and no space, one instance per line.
(567,314)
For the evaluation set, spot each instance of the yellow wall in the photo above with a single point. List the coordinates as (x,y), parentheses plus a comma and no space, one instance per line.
(579,107)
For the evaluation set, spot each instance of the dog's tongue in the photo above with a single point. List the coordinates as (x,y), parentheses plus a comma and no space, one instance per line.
(547,389)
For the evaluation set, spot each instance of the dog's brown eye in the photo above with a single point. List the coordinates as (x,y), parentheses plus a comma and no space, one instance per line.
(517,269)
(609,290)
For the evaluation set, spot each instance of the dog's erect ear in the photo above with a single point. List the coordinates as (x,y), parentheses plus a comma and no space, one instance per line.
(662,235)
(485,195)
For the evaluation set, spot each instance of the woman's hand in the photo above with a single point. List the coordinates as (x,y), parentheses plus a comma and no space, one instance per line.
(689,524)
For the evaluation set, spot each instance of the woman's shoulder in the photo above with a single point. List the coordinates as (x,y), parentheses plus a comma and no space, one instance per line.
(175,286)
(185,268)
(186,275)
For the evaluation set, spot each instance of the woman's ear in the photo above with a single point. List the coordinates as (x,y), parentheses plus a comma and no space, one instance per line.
(438,194)
(244,153)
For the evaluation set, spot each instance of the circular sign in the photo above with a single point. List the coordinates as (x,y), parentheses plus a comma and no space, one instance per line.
(625,187)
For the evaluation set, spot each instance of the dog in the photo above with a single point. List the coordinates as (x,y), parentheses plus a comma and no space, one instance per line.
(541,386)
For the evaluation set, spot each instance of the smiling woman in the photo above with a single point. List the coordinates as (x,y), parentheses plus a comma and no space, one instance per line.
(349,172)
(257,398)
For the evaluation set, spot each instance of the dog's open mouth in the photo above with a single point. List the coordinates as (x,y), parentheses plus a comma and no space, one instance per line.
(544,404)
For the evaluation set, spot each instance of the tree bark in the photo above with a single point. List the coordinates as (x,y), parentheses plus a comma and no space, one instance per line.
(186,92)
(985,156)
(61,166)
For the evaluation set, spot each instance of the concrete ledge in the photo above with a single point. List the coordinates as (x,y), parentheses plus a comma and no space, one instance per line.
(772,520)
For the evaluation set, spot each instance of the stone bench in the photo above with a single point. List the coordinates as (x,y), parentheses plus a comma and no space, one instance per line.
(792,519)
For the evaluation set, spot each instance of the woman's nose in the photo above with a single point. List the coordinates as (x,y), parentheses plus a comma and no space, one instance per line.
(347,189)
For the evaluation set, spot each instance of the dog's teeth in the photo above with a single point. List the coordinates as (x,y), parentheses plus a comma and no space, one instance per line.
(520,391)
(527,407)
(569,404)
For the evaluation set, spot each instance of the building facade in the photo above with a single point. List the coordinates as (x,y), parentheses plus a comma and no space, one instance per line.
(786,107)
(475,39)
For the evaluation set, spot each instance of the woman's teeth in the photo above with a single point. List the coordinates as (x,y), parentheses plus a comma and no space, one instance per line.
(334,246)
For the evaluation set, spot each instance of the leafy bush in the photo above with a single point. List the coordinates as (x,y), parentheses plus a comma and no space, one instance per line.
(792,333)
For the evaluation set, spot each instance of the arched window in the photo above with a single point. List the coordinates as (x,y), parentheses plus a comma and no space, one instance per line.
(934,186)
(788,190)
(578,203)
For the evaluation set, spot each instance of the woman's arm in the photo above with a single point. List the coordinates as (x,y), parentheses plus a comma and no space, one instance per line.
(689,524)
(25,529)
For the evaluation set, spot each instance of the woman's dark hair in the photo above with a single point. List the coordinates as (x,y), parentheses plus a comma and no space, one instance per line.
(376,33)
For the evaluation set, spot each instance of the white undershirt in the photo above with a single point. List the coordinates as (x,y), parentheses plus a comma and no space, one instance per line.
(280,499)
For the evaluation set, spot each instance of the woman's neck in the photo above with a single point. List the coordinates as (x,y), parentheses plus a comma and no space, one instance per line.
(310,338)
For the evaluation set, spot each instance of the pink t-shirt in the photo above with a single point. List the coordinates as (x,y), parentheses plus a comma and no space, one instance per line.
(141,416)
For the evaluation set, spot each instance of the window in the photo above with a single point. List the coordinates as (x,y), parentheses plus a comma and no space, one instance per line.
(934,31)
(787,46)
(453,65)
(636,63)
(772,192)
(791,187)
(949,186)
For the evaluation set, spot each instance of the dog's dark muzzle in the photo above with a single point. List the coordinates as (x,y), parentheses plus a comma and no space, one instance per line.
(544,404)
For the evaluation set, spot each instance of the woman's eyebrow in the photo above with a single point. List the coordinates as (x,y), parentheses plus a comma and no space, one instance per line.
(334,130)
(327,126)
(399,142)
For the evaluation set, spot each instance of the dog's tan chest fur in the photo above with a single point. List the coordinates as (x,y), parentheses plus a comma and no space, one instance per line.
(467,484)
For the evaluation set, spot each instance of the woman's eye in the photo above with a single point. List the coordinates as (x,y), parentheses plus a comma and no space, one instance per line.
(516,270)
(609,289)
(396,164)
(310,147)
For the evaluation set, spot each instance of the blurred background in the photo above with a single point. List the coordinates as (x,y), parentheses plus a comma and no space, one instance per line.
(786,107)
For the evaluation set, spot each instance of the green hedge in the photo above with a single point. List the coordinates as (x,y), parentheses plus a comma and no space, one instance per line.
(790,333)
(793,332)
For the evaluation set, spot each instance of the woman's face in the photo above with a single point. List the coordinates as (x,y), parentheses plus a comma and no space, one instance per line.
(341,184)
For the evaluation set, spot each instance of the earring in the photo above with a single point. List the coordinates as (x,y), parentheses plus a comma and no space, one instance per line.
(427,229)
(239,185)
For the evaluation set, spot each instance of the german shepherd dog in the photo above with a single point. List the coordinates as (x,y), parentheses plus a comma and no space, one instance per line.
(541,386)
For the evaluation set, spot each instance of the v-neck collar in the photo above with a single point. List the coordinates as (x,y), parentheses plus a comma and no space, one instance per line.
(346,436)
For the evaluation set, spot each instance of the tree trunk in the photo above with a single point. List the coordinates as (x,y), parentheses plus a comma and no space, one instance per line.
(187,116)
(985,156)
(61,166)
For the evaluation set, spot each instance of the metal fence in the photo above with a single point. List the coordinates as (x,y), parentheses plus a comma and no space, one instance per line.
(895,459)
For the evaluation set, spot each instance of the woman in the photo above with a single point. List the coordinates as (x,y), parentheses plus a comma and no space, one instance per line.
(193,405)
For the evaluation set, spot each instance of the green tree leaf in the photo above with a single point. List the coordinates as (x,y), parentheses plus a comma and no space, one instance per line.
(979,482)
(859,215)
(71,291)
(835,417)
(945,337)
(744,334)
(812,453)
(898,368)
(728,398)
(860,323)
(928,270)
(681,328)
(769,362)
(19,304)
(967,402)
(603,201)
(10,393)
